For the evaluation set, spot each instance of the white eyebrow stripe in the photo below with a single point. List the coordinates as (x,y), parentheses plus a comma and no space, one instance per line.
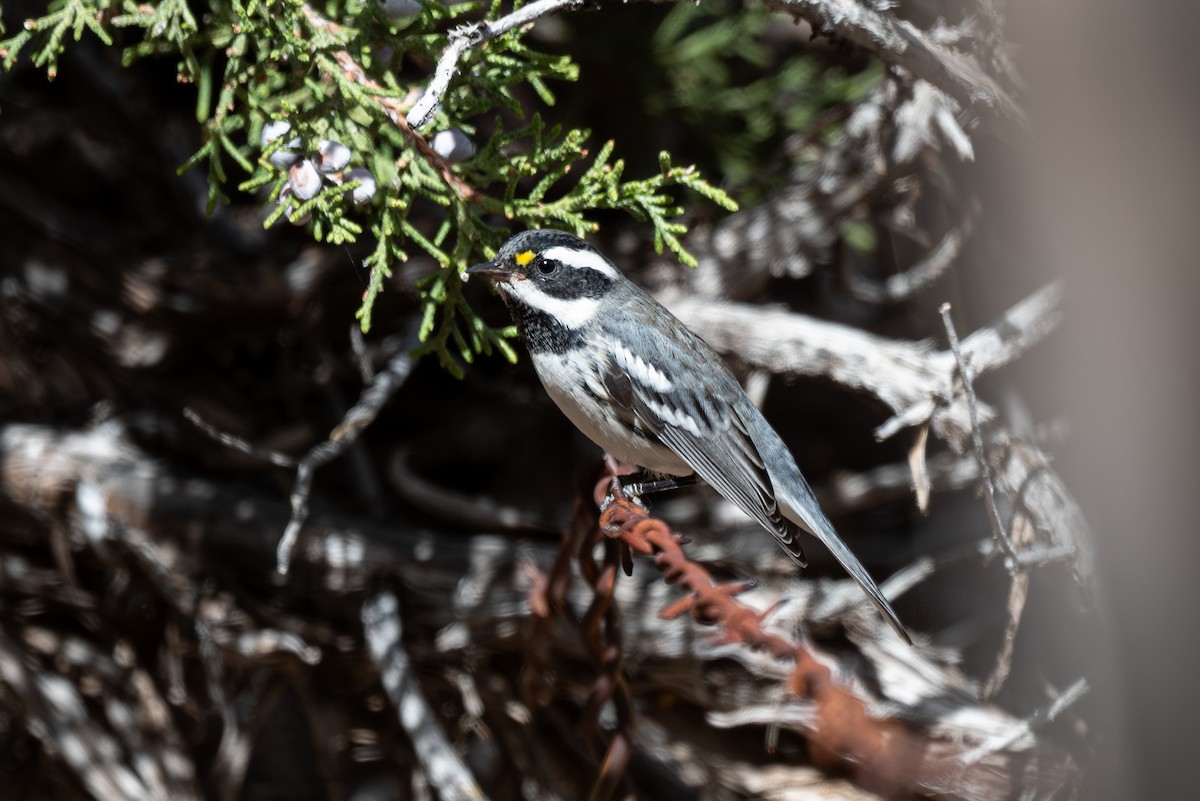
(572,313)
(581,259)
(645,373)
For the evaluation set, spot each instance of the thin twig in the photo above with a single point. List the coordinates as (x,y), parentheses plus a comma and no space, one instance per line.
(1029,724)
(1038,556)
(465,37)
(1018,594)
(361,415)
(237,443)
(998,529)
(1019,590)
(904,286)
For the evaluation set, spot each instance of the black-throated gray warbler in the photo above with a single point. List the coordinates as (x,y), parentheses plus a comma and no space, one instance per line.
(651,393)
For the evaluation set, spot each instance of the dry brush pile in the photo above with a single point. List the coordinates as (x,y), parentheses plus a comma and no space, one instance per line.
(186,405)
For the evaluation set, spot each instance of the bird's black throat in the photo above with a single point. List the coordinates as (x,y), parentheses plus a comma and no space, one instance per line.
(542,332)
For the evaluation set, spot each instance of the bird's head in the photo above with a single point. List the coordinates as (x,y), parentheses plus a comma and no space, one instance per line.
(552,272)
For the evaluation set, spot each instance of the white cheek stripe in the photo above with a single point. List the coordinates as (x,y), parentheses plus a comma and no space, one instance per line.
(582,259)
(573,313)
(646,374)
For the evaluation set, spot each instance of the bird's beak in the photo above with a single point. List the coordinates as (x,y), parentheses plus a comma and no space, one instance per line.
(496,271)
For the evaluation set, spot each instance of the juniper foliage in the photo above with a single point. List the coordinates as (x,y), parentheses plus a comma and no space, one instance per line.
(343,71)
(275,80)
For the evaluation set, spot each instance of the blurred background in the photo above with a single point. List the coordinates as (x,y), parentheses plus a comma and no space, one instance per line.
(1109,188)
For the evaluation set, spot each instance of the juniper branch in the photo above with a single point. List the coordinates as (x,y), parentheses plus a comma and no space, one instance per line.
(392,108)
(466,37)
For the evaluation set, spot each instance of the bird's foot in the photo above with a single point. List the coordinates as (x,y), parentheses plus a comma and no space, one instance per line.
(652,486)
(630,484)
(616,489)
(617,469)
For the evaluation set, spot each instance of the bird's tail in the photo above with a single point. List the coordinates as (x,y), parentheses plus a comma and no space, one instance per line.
(819,526)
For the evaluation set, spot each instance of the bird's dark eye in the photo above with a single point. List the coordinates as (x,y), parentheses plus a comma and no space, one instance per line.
(546,266)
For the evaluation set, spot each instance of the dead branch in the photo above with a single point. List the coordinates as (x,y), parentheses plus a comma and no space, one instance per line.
(888,138)
(383,633)
(911,378)
(487,578)
(898,42)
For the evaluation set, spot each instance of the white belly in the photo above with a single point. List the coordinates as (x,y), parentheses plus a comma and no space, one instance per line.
(557,373)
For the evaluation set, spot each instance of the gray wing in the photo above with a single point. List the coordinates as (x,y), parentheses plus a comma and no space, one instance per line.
(706,419)
(699,418)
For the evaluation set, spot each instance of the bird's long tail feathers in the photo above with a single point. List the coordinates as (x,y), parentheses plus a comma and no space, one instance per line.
(820,527)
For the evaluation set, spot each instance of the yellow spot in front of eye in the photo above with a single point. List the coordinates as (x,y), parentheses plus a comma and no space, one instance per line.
(524,258)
